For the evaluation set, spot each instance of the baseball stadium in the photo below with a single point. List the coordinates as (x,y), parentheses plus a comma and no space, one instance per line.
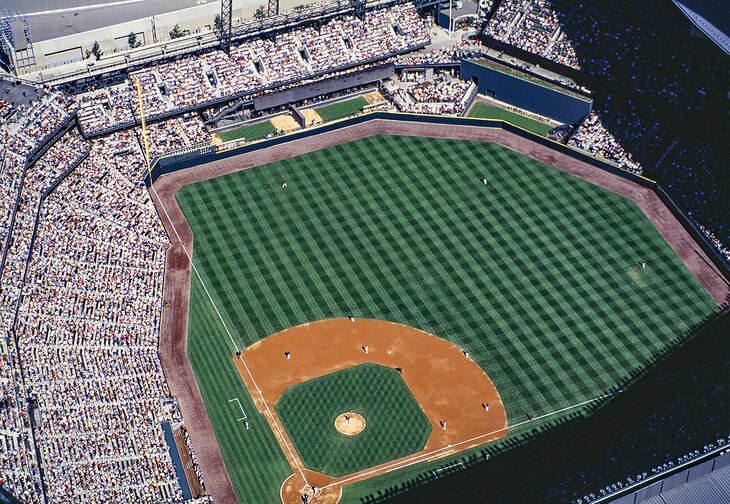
(364,251)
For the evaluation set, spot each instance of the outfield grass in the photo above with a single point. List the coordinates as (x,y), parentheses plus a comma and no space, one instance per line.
(395,424)
(341,109)
(251,132)
(484,111)
(537,274)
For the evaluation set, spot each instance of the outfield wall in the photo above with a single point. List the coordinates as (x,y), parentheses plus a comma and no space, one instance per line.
(175,163)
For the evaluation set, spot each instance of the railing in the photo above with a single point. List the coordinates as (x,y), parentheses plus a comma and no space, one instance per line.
(249,92)
(716,454)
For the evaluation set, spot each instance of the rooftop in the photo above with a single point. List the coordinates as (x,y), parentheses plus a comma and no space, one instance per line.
(50,19)
(711,17)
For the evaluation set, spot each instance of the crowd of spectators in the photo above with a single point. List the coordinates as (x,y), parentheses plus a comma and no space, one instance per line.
(534,26)
(655,89)
(593,137)
(5,109)
(87,333)
(657,470)
(449,54)
(11,171)
(725,251)
(32,127)
(81,386)
(255,65)
(173,134)
(18,461)
(82,270)
(106,109)
(441,96)
(194,458)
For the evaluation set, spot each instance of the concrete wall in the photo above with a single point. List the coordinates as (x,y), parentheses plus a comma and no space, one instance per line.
(149,30)
(113,38)
(328,86)
(527,95)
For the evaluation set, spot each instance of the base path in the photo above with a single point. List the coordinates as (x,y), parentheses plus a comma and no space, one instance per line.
(173,329)
(451,388)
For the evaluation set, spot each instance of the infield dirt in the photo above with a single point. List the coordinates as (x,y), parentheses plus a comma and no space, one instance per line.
(449,386)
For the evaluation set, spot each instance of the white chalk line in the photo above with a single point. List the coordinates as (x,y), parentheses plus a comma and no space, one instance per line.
(230,336)
(425,456)
(210,298)
(245,416)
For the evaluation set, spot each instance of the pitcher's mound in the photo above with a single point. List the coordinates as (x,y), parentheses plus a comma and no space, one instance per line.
(350,424)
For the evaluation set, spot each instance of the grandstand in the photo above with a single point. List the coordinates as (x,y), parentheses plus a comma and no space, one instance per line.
(88,408)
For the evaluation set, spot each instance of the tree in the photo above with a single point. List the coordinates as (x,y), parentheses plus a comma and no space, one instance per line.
(95,50)
(218,23)
(132,41)
(260,14)
(176,32)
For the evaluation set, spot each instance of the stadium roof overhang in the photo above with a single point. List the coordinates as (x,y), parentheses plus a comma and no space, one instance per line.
(711,17)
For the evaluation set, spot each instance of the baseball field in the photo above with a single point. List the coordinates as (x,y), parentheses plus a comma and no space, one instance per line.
(537,275)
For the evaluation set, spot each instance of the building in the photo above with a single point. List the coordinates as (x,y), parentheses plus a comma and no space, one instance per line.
(41,35)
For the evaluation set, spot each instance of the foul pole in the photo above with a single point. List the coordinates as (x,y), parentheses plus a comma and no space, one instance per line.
(144,130)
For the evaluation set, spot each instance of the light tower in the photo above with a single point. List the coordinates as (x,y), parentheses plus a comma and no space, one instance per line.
(226,27)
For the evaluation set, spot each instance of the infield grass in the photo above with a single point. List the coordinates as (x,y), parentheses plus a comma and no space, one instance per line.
(484,111)
(341,109)
(395,424)
(537,274)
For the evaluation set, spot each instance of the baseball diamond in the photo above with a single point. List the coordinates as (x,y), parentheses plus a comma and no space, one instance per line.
(439,411)
(536,277)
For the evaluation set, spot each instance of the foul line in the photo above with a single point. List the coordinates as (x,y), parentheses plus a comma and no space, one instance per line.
(425,456)
(225,326)
(210,298)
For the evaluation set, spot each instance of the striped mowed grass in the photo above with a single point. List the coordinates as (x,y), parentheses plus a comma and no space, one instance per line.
(537,274)
(341,109)
(396,426)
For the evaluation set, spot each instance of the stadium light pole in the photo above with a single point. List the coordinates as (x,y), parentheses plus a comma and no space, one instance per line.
(226,25)
(451,19)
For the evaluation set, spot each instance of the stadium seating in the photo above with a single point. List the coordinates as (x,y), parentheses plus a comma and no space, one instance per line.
(255,65)
(533,26)
(442,96)
(81,280)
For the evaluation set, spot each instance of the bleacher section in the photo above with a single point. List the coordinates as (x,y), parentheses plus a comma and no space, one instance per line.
(533,26)
(82,394)
(253,67)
